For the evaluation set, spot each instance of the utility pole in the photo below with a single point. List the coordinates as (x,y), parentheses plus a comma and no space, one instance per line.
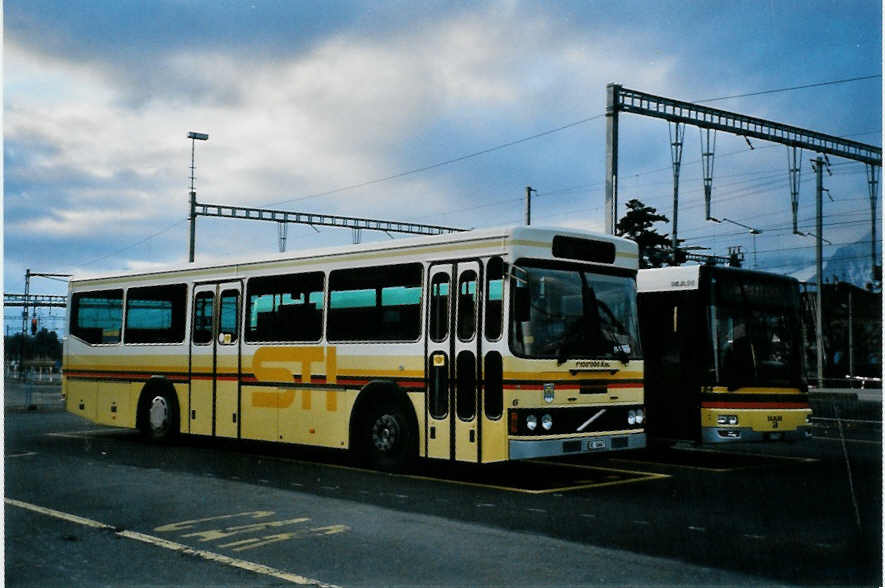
(528,204)
(873,181)
(192,216)
(611,158)
(677,133)
(819,334)
(850,332)
(25,302)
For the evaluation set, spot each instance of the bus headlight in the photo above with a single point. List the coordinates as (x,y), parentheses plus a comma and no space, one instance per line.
(531,422)
(726,419)
(547,422)
(640,416)
(631,417)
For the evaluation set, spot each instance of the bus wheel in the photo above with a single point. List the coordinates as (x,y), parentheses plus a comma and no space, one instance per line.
(388,438)
(158,415)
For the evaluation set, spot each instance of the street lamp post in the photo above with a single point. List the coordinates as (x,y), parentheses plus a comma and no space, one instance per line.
(192,217)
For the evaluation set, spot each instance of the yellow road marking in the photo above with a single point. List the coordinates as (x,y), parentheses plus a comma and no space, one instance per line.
(674,465)
(784,457)
(173,546)
(719,469)
(83,433)
(645,475)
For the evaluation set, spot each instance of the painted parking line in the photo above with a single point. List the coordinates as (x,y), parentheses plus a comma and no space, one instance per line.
(21,454)
(675,462)
(85,433)
(865,441)
(594,476)
(173,546)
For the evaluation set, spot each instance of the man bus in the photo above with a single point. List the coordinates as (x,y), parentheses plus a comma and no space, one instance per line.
(723,355)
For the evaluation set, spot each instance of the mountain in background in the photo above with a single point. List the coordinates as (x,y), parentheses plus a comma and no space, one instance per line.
(850,263)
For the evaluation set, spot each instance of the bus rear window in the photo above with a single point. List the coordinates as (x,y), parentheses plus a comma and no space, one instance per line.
(97,317)
(156,314)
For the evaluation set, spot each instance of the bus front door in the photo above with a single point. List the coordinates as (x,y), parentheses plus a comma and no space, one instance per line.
(452,371)
(215,360)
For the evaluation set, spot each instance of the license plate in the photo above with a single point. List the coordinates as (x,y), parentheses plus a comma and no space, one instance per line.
(596,444)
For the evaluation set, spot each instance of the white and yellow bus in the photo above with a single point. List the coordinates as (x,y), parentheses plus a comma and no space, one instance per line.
(723,352)
(481,346)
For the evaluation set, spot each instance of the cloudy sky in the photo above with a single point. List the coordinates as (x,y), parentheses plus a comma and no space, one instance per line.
(332,107)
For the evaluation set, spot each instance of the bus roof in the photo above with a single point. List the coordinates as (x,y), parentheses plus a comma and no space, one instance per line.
(688,277)
(522,240)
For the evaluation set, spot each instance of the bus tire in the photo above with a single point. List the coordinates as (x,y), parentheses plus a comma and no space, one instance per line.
(158,412)
(387,437)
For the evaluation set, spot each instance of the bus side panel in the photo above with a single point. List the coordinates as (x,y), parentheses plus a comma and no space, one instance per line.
(113,404)
(494,439)
(418,399)
(81,399)
(316,416)
(181,391)
(260,410)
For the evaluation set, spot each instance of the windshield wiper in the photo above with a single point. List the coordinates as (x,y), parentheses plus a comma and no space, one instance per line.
(569,338)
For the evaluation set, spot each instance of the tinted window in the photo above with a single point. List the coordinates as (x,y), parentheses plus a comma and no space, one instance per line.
(465,402)
(467,305)
(97,317)
(439,307)
(494,389)
(375,304)
(438,367)
(285,308)
(203,307)
(156,314)
(494,298)
(228,317)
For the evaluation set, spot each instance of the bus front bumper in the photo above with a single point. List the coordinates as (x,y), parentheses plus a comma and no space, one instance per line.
(730,434)
(533,448)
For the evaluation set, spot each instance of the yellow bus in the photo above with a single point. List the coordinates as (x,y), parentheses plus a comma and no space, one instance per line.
(481,346)
(724,359)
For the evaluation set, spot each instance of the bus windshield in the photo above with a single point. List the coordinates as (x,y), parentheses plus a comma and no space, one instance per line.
(755,332)
(569,312)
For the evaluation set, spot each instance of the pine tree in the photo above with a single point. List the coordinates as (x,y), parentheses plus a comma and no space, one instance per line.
(655,250)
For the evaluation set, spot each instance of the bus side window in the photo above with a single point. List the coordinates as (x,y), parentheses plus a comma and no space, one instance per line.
(494,298)
(228,315)
(467,306)
(439,307)
(203,309)
(494,388)
(156,314)
(438,367)
(97,317)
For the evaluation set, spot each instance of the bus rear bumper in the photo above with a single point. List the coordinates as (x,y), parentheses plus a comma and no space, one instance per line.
(732,434)
(528,449)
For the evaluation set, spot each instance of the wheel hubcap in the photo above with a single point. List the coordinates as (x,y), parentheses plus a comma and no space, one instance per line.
(159,415)
(385,433)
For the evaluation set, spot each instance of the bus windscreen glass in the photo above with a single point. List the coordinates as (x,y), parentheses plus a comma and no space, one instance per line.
(755,331)
(573,313)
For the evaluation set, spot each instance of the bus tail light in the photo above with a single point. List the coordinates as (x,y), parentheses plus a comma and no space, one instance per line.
(514,423)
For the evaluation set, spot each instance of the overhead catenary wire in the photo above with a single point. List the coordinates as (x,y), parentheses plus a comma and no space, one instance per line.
(483,152)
